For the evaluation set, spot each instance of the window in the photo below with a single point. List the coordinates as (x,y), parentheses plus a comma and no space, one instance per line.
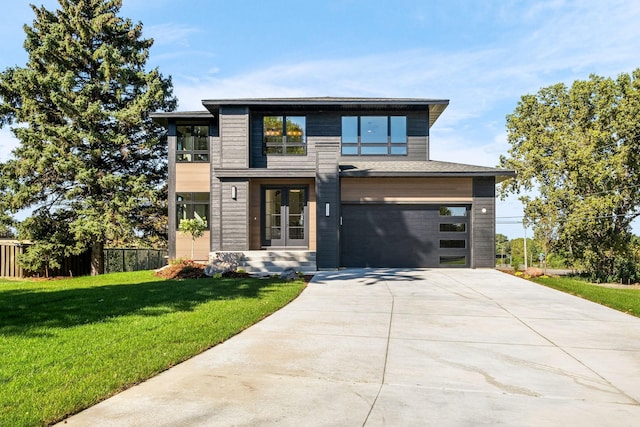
(374,135)
(193,143)
(455,228)
(453,244)
(453,260)
(285,135)
(192,205)
(453,211)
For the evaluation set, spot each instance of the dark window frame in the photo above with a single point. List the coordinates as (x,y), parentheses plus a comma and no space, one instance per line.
(453,244)
(390,145)
(453,227)
(453,211)
(192,155)
(190,203)
(284,147)
(452,260)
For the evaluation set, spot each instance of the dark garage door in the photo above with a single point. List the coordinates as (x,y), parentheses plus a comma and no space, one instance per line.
(403,236)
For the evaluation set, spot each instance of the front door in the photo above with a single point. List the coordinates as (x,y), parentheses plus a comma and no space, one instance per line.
(285,217)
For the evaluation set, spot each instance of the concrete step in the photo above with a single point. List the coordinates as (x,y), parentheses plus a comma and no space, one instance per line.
(265,261)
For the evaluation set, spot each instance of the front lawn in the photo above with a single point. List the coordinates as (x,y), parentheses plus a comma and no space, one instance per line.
(625,300)
(68,344)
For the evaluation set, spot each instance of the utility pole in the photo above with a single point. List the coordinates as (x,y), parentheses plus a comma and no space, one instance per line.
(525,244)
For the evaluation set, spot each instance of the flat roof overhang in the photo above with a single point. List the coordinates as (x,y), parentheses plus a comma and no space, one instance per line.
(422,169)
(434,106)
(163,117)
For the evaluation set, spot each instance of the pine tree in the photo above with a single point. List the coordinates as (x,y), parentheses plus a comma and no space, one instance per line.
(89,154)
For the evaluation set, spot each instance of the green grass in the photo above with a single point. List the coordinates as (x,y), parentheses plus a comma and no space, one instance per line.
(625,300)
(67,344)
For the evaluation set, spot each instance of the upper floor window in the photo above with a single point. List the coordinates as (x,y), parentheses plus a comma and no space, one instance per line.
(285,135)
(374,135)
(193,143)
(192,206)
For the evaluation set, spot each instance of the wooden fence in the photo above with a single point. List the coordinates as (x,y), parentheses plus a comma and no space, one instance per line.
(115,260)
(9,251)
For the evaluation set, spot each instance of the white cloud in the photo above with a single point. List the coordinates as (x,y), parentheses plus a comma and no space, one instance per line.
(175,35)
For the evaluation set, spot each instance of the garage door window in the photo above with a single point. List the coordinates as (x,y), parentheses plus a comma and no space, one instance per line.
(453,244)
(453,228)
(453,211)
(453,260)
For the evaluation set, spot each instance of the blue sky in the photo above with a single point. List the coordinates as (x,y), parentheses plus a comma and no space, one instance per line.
(481,55)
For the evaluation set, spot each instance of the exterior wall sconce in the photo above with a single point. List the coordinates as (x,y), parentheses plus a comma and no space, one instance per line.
(327,209)
(234,192)
(484,210)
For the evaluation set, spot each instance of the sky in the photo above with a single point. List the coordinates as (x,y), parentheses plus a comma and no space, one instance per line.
(482,56)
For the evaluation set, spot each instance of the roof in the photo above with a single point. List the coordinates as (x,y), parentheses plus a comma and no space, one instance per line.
(163,117)
(428,168)
(434,106)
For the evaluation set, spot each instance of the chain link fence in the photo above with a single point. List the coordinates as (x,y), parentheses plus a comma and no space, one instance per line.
(120,259)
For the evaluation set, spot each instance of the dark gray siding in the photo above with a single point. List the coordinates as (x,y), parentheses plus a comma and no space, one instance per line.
(215,210)
(418,136)
(171,185)
(235,215)
(328,191)
(234,137)
(483,224)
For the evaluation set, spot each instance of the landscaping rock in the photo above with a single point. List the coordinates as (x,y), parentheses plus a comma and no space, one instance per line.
(289,274)
(534,272)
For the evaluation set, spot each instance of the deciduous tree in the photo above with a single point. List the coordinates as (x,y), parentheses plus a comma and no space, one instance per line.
(579,147)
(89,153)
(195,228)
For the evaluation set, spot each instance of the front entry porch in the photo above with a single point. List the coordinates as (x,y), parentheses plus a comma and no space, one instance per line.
(282,215)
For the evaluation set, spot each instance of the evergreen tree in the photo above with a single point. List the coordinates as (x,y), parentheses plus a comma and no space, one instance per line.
(89,154)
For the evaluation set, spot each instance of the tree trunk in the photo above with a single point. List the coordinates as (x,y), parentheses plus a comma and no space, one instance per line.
(97,258)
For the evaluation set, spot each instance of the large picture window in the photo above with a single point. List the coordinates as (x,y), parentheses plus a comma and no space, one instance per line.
(191,206)
(193,143)
(285,135)
(374,135)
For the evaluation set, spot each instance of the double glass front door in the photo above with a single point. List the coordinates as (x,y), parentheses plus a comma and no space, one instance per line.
(285,218)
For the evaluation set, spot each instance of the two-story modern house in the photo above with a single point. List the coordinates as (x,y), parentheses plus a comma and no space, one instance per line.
(346,181)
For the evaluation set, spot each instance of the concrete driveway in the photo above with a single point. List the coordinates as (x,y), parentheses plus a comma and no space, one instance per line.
(405,348)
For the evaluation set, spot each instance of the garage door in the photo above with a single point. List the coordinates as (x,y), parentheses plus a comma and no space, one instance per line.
(404,236)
